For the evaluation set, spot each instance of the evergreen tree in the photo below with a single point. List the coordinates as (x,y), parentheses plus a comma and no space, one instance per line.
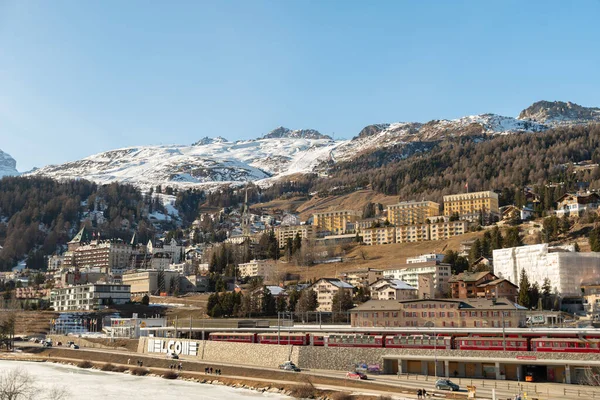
(281,304)
(475,252)
(513,238)
(307,301)
(293,297)
(524,290)
(486,244)
(496,240)
(594,239)
(297,245)
(267,303)
(342,301)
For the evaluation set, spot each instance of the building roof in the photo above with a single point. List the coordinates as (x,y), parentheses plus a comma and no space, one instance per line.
(336,282)
(396,284)
(469,276)
(496,282)
(276,290)
(466,304)
(378,305)
(82,236)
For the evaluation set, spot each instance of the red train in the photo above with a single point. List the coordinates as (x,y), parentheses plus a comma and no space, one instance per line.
(480,343)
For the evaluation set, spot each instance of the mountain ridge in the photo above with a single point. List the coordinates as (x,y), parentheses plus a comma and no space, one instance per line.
(8,165)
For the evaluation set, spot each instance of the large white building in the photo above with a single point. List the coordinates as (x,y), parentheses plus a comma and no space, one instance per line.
(439,272)
(566,269)
(88,297)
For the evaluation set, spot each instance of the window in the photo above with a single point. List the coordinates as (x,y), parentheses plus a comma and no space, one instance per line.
(395,314)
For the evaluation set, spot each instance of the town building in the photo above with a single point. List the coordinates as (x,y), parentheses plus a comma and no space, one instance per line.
(130,327)
(378,236)
(86,250)
(150,282)
(255,268)
(472,206)
(392,289)
(470,285)
(412,212)
(326,289)
(576,204)
(442,228)
(430,278)
(160,260)
(468,313)
(55,262)
(361,277)
(563,266)
(425,258)
(283,233)
(412,233)
(88,297)
(194,283)
(173,248)
(335,221)
(367,223)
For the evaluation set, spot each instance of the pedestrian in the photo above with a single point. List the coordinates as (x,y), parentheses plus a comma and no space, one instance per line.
(210,369)
(419,394)
(424,393)
(128,361)
(180,366)
(206,370)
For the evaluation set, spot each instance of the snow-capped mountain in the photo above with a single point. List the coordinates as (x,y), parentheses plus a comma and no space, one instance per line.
(8,165)
(207,162)
(281,152)
(556,113)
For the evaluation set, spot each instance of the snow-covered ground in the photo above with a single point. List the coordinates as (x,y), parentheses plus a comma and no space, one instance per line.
(98,385)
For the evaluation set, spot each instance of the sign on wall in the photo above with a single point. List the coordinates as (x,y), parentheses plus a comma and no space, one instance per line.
(173,346)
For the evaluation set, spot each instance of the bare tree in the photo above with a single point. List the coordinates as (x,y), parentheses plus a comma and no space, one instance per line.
(18,384)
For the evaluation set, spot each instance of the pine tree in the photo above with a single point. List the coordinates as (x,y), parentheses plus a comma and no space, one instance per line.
(496,239)
(524,290)
(594,239)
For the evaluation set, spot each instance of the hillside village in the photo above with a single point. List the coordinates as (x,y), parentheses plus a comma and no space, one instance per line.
(468,248)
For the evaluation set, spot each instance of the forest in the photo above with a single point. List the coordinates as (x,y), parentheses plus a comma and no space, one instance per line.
(38,216)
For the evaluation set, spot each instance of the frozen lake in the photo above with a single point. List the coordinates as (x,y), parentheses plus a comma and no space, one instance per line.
(98,385)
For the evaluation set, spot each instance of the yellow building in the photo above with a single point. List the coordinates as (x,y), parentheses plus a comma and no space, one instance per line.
(283,233)
(412,212)
(412,233)
(442,228)
(470,206)
(381,235)
(335,221)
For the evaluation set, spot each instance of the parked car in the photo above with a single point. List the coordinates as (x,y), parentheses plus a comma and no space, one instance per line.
(289,366)
(74,346)
(356,375)
(173,356)
(47,344)
(446,384)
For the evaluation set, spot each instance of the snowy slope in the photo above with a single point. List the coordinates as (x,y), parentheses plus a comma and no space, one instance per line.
(8,165)
(206,162)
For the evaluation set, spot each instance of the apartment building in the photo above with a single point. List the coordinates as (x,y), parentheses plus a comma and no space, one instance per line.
(106,254)
(147,282)
(392,289)
(412,212)
(470,206)
(283,233)
(335,221)
(255,268)
(418,274)
(412,233)
(326,288)
(378,236)
(481,285)
(470,313)
(442,228)
(573,204)
(89,297)
(361,277)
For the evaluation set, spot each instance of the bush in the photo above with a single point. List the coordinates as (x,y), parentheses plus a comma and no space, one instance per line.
(385,397)
(107,367)
(119,368)
(139,371)
(341,396)
(304,391)
(170,375)
(85,364)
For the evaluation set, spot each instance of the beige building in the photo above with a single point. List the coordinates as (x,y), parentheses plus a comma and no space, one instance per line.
(468,313)
(430,278)
(335,221)
(442,228)
(89,297)
(470,206)
(146,282)
(412,233)
(84,250)
(326,288)
(378,236)
(392,289)
(283,233)
(255,268)
(412,212)
(361,277)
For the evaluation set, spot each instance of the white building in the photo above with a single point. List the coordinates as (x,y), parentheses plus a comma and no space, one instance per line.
(565,268)
(425,258)
(89,297)
(392,289)
(439,272)
(255,268)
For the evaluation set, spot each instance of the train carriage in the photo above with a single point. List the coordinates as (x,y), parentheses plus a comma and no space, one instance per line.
(559,345)
(297,339)
(491,343)
(354,341)
(233,337)
(419,342)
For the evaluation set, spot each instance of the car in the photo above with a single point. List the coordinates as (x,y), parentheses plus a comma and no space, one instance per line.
(70,343)
(173,356)
(356,375)
(289,366)
(74,346)
(446,384)
(47,344)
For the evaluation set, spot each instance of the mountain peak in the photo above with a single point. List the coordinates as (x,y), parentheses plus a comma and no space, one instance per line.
(8,165)
(282,132)
(560,113)
(206,140)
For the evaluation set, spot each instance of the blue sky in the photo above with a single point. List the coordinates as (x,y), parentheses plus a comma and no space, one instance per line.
(80,77)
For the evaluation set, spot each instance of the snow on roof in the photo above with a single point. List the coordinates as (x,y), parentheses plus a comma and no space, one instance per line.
(400,285)
(275,290)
